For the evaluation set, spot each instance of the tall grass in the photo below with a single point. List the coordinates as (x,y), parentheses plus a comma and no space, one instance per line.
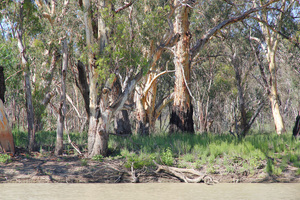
(256,151)
(253,152)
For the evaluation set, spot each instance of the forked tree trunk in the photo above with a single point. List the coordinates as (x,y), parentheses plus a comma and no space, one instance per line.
(62,104)
(145,105)
(121,121)
(145,96)
(147,109)
(93,110)
(182,110)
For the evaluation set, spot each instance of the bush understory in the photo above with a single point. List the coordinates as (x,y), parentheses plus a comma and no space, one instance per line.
(214,153)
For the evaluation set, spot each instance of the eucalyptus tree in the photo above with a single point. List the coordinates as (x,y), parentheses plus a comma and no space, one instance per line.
(153,21)
(21,23)
(62,104)
(249,101)
(108,54)
(181,119)
(95,94)
(271,23)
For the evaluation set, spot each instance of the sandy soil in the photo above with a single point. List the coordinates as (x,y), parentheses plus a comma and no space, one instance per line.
(77,169)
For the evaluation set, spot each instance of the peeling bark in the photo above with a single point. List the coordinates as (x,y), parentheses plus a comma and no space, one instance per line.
(181,119)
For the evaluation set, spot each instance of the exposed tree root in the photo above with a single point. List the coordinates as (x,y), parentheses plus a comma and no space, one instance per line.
(181,174)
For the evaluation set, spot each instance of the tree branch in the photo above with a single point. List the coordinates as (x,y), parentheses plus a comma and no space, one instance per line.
(201,42)
(261,105)
(160,106)
(124,7)
(292,40)
(147,88)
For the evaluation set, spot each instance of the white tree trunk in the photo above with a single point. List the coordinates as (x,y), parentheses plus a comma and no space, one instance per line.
(62,105)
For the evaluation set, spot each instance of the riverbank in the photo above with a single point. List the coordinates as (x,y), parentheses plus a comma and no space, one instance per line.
(77,169)
(158,158)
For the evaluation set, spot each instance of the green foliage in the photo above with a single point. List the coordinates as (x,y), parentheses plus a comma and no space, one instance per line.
(98,158)
(31,21)
(167,157)
(84,162)
(272,169)
(5,158)
(137,161)
(224,80)
(215,151)
(198,150)
(20,138)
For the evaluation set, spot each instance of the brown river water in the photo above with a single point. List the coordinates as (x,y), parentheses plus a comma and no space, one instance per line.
(153,191)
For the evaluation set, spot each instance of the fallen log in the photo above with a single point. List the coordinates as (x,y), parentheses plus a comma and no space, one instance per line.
(180,173)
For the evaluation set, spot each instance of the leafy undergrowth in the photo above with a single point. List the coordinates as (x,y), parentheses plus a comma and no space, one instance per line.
(5,158)
(213,153)
(217,154)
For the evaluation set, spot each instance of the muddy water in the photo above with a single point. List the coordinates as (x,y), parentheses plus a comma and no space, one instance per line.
(168,191)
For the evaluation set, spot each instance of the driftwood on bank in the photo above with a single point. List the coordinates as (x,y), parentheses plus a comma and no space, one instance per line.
(181,174)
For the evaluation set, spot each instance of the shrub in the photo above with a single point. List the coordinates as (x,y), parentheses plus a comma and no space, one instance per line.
(98,158)
(84,162)
(5,158)
(137,161)
(167,157)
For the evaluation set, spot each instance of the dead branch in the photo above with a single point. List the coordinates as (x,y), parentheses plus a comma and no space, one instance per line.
(14,74)
(135,178)
(179,173)
(73,144)
(124,7)
(118,180)
(261,105)
(71,102)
